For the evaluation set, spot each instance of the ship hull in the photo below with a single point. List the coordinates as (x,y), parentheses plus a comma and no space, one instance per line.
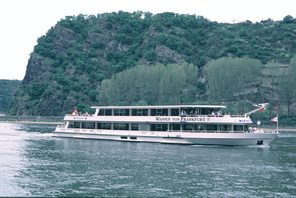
(187,138)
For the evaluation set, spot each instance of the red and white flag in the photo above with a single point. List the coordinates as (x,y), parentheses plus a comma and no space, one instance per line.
(275,119)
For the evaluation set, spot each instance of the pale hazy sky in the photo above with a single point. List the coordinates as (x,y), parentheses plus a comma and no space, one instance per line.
(22,22)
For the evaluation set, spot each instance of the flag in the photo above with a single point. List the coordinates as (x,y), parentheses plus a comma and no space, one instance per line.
(275,119)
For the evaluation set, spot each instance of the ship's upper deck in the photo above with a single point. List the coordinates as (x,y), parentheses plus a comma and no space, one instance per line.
(160,107)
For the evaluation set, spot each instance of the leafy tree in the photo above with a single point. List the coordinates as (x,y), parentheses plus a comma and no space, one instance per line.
(159,84)
(229,76)
(287,87)
(7,89)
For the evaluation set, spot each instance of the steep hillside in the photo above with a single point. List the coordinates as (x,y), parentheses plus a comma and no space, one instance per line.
(7,88)
(69,62)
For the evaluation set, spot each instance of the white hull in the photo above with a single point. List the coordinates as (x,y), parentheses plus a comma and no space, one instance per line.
(229,139)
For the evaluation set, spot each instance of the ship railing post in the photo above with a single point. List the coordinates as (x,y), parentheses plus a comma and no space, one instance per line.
(277,123)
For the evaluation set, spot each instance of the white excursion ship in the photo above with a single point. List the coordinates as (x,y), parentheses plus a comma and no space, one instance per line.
(173,124)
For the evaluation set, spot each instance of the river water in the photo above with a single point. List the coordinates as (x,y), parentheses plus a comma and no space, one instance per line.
(32,163)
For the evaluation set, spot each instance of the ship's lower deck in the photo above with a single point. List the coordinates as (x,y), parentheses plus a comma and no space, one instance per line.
(229,138)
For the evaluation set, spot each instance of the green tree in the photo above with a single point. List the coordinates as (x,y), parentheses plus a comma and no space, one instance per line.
(159,84)
(7,89)
(229,76)
(287,87)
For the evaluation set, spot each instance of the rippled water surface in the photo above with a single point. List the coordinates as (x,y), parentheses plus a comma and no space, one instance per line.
(32,163)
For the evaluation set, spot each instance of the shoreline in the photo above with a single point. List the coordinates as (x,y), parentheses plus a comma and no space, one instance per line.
(34,122)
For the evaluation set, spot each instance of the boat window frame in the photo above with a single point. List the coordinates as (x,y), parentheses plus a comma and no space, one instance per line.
(121,112)
(175,111)
(139,112)
(105,112)
(120,126)
(88,125)
(238,127)
(158,127)
(134,126)
(159,112)
(175,127)
(75,125)
(104,125)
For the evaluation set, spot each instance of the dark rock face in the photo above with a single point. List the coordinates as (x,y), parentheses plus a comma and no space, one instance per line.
(168,55)
(36,69)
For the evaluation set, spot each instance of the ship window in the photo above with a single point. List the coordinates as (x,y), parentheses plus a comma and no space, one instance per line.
(189,111)
(175,112)
(121,112)
(99,126)
(103,125)
(77,125)
(106,125)
(108,112)
(145,112)
(238,127)
(71,125)
(201,127)
(225,127)
(153,112)
(205,111)
(139,112)
(88,125)
(153,127)
(158,127)
(105,112)
(189,127)
(116,112)
(164,112)
(101,112)
(134,127)
(196,111)
(123,137)
(133,138)
(175,127)
(120,126)
(212,127)
(159,112)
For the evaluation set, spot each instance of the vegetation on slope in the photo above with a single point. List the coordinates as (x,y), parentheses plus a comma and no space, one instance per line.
(70,62)
(7,88)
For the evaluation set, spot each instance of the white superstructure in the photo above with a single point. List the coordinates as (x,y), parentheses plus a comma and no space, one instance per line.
(177,124)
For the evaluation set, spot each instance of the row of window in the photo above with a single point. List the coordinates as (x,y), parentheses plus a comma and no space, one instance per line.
(197,127)
(135,112)
(99,125)
(158,127)
(156,112)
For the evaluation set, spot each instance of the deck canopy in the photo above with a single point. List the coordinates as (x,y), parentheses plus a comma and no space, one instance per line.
(160,107)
